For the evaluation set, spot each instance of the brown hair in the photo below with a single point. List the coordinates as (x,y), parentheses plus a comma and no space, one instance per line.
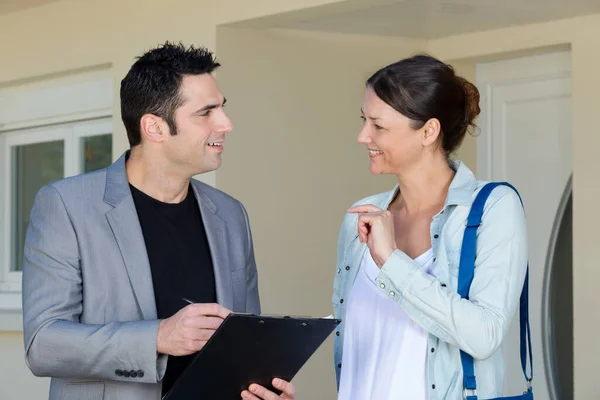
(422,87)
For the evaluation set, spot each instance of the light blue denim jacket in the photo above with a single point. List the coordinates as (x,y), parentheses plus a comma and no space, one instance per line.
(477,326)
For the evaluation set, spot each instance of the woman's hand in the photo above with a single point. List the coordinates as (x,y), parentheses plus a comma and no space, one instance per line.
(257,392)
(376,228)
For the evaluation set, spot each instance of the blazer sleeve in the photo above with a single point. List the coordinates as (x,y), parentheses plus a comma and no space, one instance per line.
(56,342)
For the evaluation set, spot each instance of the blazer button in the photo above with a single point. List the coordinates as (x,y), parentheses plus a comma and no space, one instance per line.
(118,372)
(126,374)
(133,374)
(140,373)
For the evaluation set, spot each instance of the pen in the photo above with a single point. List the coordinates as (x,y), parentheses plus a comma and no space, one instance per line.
(188,300)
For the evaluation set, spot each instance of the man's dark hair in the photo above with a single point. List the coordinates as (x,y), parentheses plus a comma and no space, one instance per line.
(152,85)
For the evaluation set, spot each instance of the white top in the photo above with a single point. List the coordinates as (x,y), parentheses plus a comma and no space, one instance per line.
(385,351)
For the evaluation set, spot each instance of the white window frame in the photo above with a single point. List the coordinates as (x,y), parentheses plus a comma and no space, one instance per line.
(65,107)
(71,134)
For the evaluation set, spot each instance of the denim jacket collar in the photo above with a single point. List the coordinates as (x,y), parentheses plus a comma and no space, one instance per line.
(460,192)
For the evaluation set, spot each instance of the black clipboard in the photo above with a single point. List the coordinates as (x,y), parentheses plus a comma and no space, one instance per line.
(250,349)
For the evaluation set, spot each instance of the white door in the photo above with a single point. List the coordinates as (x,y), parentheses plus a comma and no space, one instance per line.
(526,140)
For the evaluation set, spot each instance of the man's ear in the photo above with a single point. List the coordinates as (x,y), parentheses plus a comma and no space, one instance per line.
(153,128)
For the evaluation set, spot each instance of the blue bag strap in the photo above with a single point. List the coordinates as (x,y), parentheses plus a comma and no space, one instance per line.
(465,277)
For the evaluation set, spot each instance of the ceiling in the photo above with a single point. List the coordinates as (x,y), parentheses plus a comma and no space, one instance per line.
(8,6)
(428,19)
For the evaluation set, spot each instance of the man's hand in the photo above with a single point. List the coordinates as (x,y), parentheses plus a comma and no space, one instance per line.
(257,392)
(376,228)
(188,331)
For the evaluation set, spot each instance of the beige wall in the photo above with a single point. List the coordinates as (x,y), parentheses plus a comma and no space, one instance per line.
(294,162)
(292,158)
(73,35)
(586,189)
(68,36)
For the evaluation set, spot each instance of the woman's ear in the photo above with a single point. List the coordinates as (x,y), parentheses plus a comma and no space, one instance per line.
(430,132)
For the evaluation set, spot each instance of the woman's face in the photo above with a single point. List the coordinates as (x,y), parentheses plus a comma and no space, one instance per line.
(393,145)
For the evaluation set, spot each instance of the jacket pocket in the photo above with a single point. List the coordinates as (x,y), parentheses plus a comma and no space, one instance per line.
(82,391)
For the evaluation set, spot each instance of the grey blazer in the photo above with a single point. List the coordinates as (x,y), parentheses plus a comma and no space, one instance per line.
(88,301)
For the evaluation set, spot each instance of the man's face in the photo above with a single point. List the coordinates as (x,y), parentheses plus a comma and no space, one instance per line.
(201,126)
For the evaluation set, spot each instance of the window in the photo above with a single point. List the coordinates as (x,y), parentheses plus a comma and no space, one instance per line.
(51,127)
(34,158)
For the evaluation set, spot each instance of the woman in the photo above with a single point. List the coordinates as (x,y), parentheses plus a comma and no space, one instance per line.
(398,254)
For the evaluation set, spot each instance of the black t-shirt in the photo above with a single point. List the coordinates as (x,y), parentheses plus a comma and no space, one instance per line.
(180,260)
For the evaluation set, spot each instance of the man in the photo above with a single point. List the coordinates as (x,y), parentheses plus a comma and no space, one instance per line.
(111,257)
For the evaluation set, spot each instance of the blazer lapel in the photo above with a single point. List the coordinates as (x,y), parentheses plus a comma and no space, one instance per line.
(216,232)
(126,228)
